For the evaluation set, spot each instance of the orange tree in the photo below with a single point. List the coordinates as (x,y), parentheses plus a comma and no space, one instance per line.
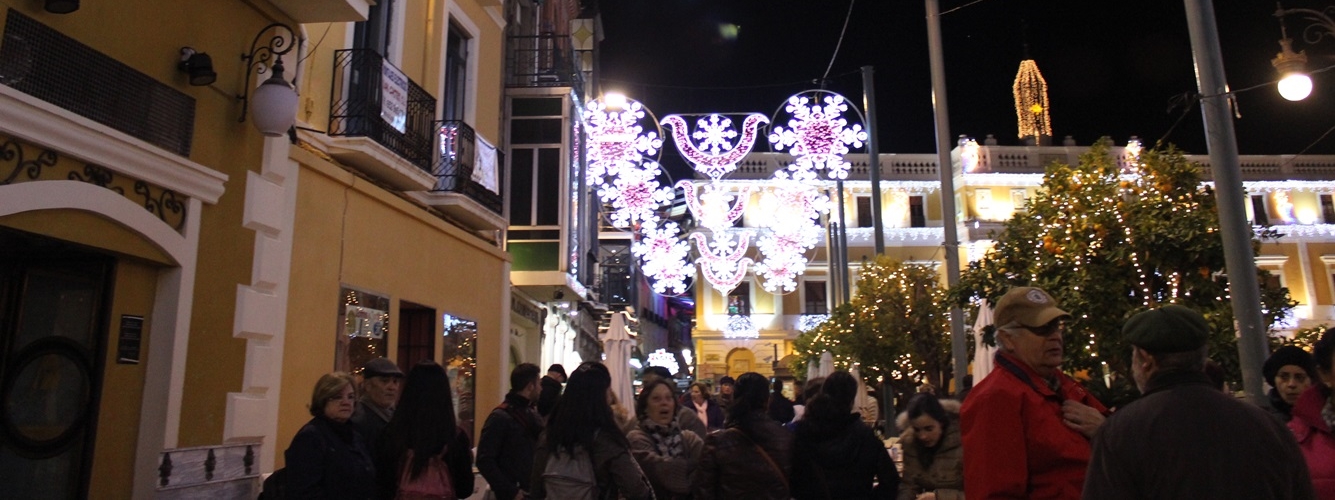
(1109,240)
(896,328)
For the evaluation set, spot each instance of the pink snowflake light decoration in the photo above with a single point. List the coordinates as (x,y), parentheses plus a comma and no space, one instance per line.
(714,208)
(664,257)
(722,261)
(715,155)
(794,228)
(617,139)
(818,137)
(635,195)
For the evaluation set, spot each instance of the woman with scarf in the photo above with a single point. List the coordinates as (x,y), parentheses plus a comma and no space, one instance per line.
(667,454)
(933,457)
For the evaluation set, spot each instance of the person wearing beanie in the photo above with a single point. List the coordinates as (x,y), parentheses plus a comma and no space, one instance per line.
(1184,438)
(381,381)
(551,389)
(1026,427)
(1289,371)
(1313,422)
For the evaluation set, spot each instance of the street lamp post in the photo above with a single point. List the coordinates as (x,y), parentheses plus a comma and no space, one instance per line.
(1244,292)
(1295,84)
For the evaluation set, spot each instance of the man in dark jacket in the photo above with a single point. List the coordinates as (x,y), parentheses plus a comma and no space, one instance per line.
(551,389)
(505,448)
(1183,438)
(780,407)
(381,381)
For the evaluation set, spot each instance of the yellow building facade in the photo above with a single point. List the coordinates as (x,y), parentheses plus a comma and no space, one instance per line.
(175,282)
(993,183)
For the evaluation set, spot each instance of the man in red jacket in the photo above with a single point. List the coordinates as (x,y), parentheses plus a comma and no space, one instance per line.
(1026,426)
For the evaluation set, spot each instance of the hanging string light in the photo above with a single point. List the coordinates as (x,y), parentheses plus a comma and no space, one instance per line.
(1031,101)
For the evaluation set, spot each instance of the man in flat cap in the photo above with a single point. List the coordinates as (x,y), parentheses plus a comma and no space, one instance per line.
(1026,426)
(1183,438)
(381,381)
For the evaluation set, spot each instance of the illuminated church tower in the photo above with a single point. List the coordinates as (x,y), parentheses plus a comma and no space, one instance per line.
(1031,105)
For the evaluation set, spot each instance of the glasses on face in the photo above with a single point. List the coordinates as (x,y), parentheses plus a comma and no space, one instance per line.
(1052,327)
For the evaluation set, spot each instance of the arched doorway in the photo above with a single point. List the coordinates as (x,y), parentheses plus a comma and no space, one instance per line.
(740,360)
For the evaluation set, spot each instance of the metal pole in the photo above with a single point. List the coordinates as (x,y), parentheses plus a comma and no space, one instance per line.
(843,246)
(873,147)
(831,251)
(1244,292)
(959,349)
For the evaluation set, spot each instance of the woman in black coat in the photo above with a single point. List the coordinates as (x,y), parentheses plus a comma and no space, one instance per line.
(327,458)
(835,454)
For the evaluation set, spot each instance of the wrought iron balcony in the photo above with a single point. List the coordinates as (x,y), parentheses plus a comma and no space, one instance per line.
(546,60)
(371,98)
(457,169)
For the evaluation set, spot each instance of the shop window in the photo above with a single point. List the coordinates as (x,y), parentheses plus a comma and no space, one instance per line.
(459,357)
(365,322)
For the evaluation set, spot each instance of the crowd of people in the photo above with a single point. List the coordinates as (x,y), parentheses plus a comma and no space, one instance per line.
(1027,430)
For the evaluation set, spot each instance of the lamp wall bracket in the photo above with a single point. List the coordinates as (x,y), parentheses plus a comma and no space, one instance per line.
(257,60)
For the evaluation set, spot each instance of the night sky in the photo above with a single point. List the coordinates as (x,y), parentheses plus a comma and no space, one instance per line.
(1112,68)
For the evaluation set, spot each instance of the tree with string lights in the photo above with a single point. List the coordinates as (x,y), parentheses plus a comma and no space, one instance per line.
(896,328)
(1108,240)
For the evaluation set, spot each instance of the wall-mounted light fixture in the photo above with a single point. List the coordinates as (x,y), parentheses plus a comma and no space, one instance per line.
(198,65)
(274,102)
(62,6)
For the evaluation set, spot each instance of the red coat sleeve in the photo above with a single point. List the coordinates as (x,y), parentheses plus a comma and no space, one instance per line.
(995,462)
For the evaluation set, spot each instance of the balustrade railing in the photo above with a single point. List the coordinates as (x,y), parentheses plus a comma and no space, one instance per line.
(371,98)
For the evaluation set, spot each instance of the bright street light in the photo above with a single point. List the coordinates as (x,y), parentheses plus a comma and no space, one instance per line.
(1295,86)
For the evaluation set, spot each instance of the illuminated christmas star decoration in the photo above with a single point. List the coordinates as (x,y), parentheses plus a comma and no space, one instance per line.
(715,155)
(969,154)
(634,194)
(740,327)
(617,139)
(818,137)
(664,257)
(1031,101)
(713,208)
(664,359)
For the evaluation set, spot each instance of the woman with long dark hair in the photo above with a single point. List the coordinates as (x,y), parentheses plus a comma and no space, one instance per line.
(933,457)
(581,429)
(835,454)
(750,458)
(422,434)
(666,453)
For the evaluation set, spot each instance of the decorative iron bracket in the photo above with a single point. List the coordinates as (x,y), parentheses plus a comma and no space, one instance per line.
(258,58)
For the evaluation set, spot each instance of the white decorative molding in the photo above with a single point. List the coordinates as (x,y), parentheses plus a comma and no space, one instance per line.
(1004,180)
(261,306)
(925,235)
(42,123)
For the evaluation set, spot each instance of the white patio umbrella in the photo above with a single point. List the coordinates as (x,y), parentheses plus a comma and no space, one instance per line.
(617,342)
(982,358)
(826,364)
(813,369)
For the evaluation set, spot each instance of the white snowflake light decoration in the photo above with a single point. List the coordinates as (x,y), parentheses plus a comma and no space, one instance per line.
(722,261)
(818,137)
(617,139)
(794,228)
(715,155)
(635,194)
(664,359)
(665,257)
(714,208)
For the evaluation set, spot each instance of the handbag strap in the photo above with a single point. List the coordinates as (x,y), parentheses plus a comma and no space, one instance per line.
(782,477)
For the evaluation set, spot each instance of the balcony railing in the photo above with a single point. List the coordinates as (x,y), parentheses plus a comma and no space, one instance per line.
(546,60)
(368,100)
(457,165)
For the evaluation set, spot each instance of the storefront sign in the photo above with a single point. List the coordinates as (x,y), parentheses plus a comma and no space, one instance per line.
(365,322)
(128,340)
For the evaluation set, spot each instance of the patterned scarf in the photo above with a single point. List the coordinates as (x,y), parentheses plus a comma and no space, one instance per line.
(667,438)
